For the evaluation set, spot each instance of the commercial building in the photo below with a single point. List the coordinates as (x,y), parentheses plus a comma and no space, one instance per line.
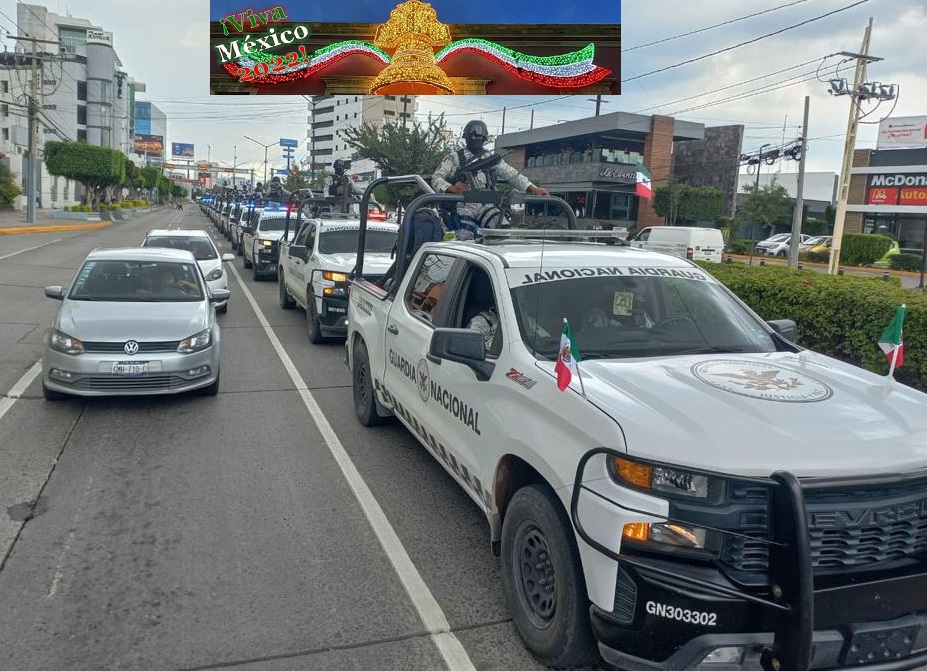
(83,94)
(330,114)
(888,194)
(148,141)
(593,163)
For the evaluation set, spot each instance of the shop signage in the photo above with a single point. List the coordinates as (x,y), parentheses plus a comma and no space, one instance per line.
(882,196)
(617,173)
(898,179)
(909,131)
(915,196)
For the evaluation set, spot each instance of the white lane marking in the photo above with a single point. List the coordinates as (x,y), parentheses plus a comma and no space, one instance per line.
(424,601)
(29,249)
(16,391)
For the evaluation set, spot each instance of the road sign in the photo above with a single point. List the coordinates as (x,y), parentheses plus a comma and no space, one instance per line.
(283,171)
(287,142)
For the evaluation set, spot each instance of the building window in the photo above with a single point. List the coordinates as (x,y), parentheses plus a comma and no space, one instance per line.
(70,38)
(389,113)
(6,133)
(390,97)
(355,115)
(82,90)
(81,135)
(5,110)
(82,115)
(355,100)
(4,86)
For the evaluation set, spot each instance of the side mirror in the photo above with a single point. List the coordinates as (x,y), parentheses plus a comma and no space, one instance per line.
(228,257)
(248,230)
(219,295)
(55,292)
(785,327)
(465,346)
(299,251)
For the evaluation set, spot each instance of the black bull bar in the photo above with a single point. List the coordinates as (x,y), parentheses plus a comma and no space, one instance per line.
(791,592)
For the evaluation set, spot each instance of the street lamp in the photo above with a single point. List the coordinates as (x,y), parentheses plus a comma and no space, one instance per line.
(266,146)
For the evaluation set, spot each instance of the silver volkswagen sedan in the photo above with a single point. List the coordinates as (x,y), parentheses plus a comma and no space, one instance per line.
(133,321)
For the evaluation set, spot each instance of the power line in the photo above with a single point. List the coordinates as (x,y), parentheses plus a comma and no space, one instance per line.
(717,25)
(745,42)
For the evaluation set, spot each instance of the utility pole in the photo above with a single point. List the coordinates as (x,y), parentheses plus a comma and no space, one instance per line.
(503,122)
(266,146)
(862,59)
(598,103)
(234,164)
(531,127)
(799,190)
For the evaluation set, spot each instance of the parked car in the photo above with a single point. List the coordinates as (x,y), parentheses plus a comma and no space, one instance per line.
(204,250)
(811,243)
(781,247)
(133,321)
(771,241)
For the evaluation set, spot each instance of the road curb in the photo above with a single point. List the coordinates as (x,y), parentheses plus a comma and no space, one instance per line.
(57,228)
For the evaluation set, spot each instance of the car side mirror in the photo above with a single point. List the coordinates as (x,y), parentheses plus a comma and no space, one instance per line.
(55,292)
(785,327)
(219,295)
(228,257)
(466,346)
(299,251)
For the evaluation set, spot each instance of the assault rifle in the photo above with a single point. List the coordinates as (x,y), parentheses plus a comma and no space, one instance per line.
(467,173)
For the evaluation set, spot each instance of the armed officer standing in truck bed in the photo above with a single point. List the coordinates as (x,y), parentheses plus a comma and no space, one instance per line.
(476,135)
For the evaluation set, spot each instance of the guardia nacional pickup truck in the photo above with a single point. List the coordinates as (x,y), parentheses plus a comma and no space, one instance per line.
(703,493)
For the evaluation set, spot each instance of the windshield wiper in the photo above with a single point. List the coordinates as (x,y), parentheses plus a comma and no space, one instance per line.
(714,349)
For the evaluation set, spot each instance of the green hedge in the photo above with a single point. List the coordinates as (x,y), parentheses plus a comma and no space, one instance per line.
(840,316)
(863,249)
(905,262)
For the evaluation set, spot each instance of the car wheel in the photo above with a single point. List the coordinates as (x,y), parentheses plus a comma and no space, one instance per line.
(365,400)
(52,395)
(212,389)
(286,301)
(782,253)
(543,579)
(313,327)
(223,309)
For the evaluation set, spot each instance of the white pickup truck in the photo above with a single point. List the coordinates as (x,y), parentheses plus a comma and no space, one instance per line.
(314,270)
(702,493)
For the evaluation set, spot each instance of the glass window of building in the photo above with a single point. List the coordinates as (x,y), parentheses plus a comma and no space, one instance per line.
(70,38)
(82,90)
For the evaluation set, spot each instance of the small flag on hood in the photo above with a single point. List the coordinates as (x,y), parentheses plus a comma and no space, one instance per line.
(567,357)
(643,189)
(891,340)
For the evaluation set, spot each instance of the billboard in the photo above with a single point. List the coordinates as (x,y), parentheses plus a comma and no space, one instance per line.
(904,131)
(181,149)
(149,145)
(143,117)
(99,37)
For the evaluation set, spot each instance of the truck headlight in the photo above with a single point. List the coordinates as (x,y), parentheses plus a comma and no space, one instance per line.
(659,479)
(264,243)
(334,277)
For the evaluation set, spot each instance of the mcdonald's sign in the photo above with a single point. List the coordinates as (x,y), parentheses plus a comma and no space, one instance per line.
(881,195)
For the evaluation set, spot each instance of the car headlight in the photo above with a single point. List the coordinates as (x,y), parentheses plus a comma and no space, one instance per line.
(195,343)
(62,342)
(334,277)
(215,274)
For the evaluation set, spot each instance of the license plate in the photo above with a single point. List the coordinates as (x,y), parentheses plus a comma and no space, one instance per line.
(135,368)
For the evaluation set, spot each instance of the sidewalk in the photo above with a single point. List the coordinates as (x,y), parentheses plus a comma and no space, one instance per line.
(14,223)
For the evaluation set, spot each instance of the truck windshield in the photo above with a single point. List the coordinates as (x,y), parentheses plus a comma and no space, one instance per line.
(615,316)
(274,223)
(345,241)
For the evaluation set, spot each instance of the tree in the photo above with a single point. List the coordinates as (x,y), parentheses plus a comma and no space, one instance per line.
(678,201)
(178,191)
(96,168)
(399,149)
(769,206)
(299,179)
(133,179)
(9,189)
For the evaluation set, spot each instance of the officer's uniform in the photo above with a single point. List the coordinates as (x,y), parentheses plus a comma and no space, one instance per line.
(470,212)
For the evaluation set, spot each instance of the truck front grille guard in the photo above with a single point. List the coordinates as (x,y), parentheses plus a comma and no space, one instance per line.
(790,570)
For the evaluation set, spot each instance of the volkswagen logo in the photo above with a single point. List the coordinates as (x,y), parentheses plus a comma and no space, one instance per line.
(131,347)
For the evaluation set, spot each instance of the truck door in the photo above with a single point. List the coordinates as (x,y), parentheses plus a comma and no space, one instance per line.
(414,315)
(299,275)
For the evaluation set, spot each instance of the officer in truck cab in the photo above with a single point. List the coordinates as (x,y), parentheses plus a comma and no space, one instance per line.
(445,178)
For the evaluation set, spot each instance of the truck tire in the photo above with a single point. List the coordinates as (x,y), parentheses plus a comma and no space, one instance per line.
(255,273)
(365,400)
(313,327)
(543,578)
(244,260)
(286,301)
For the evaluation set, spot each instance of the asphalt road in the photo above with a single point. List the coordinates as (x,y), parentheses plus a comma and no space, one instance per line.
(240,531)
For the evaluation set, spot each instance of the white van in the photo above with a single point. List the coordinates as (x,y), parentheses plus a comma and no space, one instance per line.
(689,242)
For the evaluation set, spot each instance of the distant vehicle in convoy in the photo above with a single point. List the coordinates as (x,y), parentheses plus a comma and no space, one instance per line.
(133,321)
(670,482)
(688,242)
(315,269)
(205,252)
(260,241)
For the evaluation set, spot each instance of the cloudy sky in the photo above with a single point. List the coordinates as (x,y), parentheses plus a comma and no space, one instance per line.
(761,84)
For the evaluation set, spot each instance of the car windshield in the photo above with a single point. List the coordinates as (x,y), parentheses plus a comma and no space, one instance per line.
(275,223)
(137,281)
(201,247)
(654,312)
(345,241)
(815,241)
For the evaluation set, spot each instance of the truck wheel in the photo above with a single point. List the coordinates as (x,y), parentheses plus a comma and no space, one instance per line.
(543,579)
(244,260)
(365,400)
(256,273)
(286,301)
(313,327)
